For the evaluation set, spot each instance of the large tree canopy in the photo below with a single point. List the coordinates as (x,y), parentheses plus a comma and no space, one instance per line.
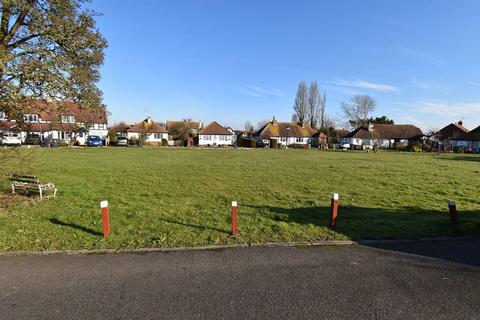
(49,49)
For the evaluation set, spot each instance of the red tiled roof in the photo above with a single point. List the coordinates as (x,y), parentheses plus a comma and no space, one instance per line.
(52,111)
(147,126)
(5,125)
(214,128)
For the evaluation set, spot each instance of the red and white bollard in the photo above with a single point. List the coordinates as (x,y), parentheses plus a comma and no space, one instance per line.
(334,210)
(234,219)
(452,208)
(105,218)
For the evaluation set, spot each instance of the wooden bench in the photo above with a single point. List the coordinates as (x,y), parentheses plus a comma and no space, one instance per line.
(29,184)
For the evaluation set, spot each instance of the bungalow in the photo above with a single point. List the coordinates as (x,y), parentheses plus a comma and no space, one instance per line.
(470,139)
(148,131)
(215,135)
(450,133)
(383,135)
(59,121)
(120,129)
(285,133)
(182,133)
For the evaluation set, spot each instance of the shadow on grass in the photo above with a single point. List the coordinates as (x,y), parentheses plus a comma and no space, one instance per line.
(461,158)
(390,224)
(195,226)
(74,226)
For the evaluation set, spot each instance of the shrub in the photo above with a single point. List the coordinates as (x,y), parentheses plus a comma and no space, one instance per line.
(164,142)
(133,141)
(457,149)
(415,147)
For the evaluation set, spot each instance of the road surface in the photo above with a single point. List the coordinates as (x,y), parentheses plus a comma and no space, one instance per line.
(427,280)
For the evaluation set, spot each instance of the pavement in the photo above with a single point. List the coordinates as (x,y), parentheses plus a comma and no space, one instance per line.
(414,280)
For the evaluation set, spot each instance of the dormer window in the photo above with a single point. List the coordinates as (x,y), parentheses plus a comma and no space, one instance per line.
(30,117)
(68,119)
(2,115)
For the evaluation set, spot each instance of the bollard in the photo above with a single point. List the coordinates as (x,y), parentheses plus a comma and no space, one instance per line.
(105,218)
(452,208)
(334,210)
(234,219)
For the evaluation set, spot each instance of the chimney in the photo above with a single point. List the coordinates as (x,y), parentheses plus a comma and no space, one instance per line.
(460,123)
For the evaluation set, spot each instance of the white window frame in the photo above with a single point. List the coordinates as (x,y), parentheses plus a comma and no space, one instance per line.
(30,117)
(68,119)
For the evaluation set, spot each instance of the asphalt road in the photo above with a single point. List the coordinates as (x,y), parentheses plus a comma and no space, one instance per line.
(352,282)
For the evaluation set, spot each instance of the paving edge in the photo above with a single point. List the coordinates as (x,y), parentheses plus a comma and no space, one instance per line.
(232,246)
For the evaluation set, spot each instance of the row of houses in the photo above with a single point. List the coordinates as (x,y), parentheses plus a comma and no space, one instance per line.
(57,121)
(69,122)
(456,135)
(214,134)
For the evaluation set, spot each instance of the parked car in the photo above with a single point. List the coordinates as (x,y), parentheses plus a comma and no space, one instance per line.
(33,139)
(261,144)
(468,150)
(121,141)
(10,139)
(94,141)
(345,146)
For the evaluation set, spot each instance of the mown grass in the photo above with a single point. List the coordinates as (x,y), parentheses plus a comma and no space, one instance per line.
(180,197)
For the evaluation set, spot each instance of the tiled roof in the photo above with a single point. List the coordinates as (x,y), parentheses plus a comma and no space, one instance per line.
(473,135)
(284,129)
(214,129)
(453,130)
(52,111)
(386,131)
(147,126)
(121,127)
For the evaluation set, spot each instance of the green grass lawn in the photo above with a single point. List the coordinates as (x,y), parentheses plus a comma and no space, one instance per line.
(181,197)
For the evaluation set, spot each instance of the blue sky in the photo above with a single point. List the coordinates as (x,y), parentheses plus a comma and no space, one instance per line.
(238,60)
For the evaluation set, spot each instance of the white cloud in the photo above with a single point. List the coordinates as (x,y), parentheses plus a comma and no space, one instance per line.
(443,108)
(474,84)
(259,92)
(427,85)
(361,84)
(429,114)
(417,54)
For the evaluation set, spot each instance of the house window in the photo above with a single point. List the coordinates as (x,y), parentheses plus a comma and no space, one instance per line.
(2,115)
(208,137)
(299,140)
(283,139)
(30,117)
(64,135)
(157,136)
(68,119)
